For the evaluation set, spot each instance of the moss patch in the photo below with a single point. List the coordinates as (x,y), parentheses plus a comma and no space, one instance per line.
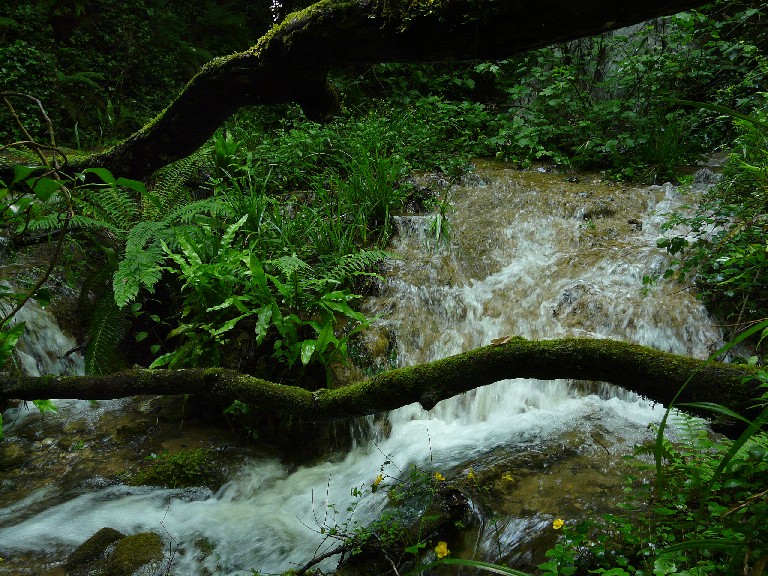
(133,552)
(93,548)
(11,456)
(183,469)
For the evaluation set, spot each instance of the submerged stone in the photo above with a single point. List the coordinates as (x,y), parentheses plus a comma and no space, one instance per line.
(94,548)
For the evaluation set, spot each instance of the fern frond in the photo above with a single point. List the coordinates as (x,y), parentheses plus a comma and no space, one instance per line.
(169,187)
(109,327)
(290,266)
(140,235)
(53,222)
(94,80)
(187,212)
(355,264)
(142,268)
(112,205)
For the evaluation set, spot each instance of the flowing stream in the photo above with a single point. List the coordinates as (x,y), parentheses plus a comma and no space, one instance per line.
(530,254)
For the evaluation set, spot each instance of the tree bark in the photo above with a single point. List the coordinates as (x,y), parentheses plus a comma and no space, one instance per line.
(291,62)
(654,374)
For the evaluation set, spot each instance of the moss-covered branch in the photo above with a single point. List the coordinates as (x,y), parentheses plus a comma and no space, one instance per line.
(651,373)
(290,63)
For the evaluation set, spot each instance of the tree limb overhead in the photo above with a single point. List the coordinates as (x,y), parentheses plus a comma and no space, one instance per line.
(291,62)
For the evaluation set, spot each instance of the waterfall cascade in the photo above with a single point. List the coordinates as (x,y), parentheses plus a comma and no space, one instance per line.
(530,254)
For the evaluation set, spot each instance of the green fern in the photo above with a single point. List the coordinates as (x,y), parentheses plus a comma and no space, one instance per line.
(111,207)
(356,264)
(169,189)
(291,266)
(109,327)
(141,267)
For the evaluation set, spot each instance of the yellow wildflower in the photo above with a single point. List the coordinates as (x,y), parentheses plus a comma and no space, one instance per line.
(378,480)
(557,524)
(507,477)
(471,474)
(439,476)
(442,550)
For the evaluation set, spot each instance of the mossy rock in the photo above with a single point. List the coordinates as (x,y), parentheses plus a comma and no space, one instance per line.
(133,552)
(93,548)
(11,456)
(181,470)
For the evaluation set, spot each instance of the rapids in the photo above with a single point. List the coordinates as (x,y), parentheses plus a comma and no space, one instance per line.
(530,253)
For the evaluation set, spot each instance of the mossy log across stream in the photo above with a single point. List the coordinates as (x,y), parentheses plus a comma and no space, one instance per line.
(654,374)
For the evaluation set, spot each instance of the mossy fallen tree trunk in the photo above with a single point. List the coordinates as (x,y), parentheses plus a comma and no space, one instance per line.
(291,62)
(651,373)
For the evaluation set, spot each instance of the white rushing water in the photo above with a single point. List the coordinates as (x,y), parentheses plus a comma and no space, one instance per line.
(530,255)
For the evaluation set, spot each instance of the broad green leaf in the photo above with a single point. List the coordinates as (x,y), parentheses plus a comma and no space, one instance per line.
(21,172)
(45,406)
(229,235)
(341,306)
(133,185)
(44,188)
(104,174)
(718,408)
(325,337)
(8,339)
(161,361)
(227,326)
(307,349)
(263,323)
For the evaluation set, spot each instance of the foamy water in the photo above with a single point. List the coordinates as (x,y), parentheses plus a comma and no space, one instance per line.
(522,261)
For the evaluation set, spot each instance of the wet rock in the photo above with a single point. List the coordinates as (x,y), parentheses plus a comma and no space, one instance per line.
(75,427)
(133,552)
(12,456)
(599,209)
(344,374)
(126,432)
(94,548)
(706,176)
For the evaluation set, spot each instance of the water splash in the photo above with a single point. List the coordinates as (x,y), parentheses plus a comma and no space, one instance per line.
(530,255)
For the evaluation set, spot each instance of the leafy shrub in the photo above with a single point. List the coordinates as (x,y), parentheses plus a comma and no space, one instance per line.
(724,245)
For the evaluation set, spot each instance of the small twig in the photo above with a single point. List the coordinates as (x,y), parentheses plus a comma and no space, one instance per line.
(391,562)
(601,444)
(44,277)
(317,559)
(746,502)
(23,128)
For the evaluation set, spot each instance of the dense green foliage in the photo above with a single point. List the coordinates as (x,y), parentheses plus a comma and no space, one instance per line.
(252,252)
(104,68)
(722,241)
